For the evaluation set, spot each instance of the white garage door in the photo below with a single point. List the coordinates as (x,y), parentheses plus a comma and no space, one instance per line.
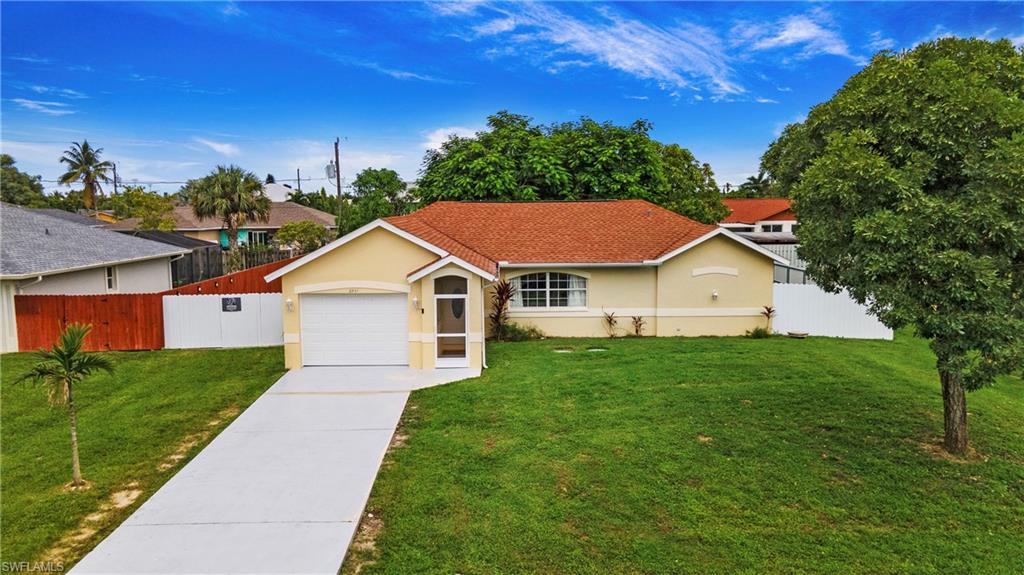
(355,329)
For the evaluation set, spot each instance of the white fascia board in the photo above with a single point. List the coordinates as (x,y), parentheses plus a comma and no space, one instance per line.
(93,266)
(378,223)
(450,259)
(720,232)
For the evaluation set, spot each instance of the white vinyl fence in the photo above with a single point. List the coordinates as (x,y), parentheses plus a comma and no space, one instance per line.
(234,320)
(807,308)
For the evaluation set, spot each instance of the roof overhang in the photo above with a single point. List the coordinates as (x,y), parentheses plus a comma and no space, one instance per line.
(450,259)
(348,238)
(523,265)
(713,234)
(59,271)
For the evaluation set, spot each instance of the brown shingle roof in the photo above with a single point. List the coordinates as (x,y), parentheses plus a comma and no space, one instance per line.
(485,233)
(753,210)
(280,214)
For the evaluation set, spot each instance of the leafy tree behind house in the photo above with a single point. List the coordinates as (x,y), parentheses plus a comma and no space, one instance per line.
(84,165)
(232,195)
(759,185)
(320,200)
(17,187)
(304,236)
(61,369)
(152,209)
(908,184)
(515,159)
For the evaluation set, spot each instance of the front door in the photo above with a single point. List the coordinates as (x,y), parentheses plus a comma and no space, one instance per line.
(451,309)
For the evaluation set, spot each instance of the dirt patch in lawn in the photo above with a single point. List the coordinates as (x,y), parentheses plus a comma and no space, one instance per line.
(190,441)
(73,543)
(936,449)
(362,552)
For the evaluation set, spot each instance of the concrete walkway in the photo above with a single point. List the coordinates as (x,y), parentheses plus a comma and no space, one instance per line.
(281,490)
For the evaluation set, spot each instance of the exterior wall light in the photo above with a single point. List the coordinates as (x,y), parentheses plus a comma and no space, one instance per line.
(415,302)
(714,295)
(290,304)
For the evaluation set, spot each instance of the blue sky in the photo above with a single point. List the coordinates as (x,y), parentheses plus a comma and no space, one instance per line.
(170,90)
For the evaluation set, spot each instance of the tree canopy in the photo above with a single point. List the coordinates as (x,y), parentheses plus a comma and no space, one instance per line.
(17,187)
(515,159)
(909,187)
(304,236)
(232,195)
(152,209)
(84,165)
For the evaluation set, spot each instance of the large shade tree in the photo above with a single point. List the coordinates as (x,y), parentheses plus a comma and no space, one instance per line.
(909,187)
(84,165)
(515,159)
(232,195)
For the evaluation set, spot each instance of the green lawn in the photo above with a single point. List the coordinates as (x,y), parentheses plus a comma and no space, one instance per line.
(711,455)
(136,428)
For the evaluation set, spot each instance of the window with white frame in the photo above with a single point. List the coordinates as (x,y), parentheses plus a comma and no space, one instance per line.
(549,289)
(111,279)
(259,238)
(771,227)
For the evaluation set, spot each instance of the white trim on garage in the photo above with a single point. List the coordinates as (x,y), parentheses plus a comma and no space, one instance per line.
(354,329)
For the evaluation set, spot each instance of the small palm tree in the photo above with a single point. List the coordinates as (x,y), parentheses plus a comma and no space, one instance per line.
(60,369)
(84,165)
(232,195)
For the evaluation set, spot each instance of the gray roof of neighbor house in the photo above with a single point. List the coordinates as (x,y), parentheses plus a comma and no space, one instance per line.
(34,244)
(70,216)
(280,213)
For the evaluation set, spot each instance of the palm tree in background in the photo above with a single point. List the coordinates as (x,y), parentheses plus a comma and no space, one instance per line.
(232,195)
(759,186)
(84,165)
(60,369)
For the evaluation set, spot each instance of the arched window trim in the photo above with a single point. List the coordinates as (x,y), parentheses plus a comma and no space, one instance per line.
(555,290)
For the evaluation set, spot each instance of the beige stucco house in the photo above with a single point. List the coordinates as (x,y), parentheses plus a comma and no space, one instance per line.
(413,290)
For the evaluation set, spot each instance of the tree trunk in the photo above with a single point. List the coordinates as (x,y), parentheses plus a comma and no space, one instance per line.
(76,470)
(88,196)
(954,413)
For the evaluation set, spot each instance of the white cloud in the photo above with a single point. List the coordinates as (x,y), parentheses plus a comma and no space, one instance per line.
(784,88)
(232,9)
(561,65)
(880,42)
(813,32)
(1018,41)
(673,56)
(435,138)
(455,7)
(637,97)
(30,58)
(48,108)
(64,92)
(765,101)
(222,148)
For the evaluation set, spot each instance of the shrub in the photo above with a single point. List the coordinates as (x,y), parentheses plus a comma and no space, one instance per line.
(516,332)
(503,293)
(638,325)
(759,333)
(610,323)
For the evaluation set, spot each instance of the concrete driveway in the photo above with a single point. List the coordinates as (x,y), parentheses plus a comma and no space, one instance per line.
(281,490)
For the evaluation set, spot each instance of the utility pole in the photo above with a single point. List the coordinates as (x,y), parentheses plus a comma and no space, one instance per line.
(298,179)
(115,178)
(337,169)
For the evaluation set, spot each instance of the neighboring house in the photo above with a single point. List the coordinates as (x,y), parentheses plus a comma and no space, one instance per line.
(203,261)
(43,255)
(80,219)
(253,233)
(413,290)
(760,215)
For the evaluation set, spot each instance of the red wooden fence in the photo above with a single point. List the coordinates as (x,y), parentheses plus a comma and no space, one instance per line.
(119,321)
(123,321)
(245,281)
